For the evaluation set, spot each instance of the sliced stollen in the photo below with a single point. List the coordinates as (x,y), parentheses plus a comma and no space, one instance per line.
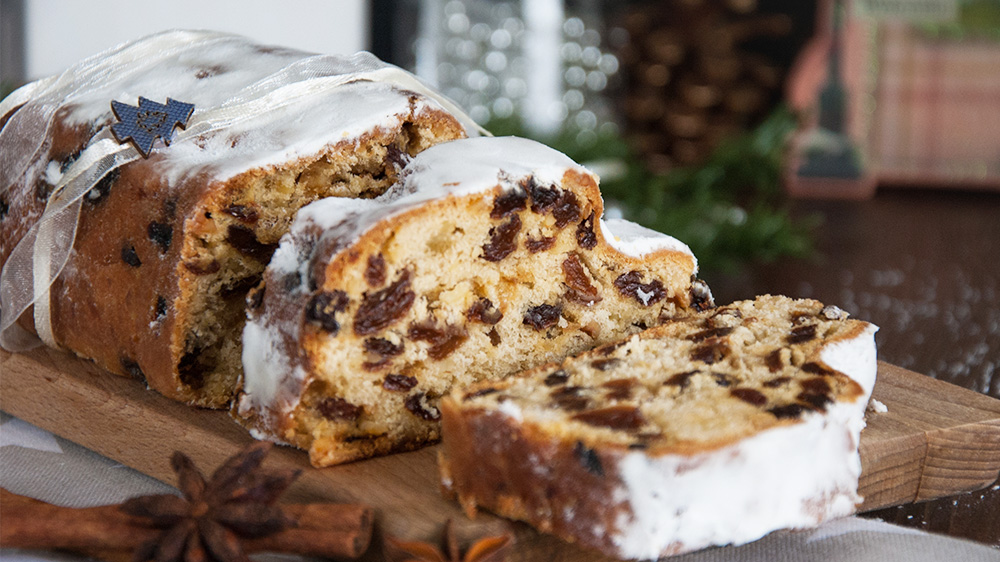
(147,268)
(711,429)
(488,257)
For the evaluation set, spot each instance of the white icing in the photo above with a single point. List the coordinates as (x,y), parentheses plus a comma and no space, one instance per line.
(786,477)
(790,476)
(261,357)
(478,164)
(636,240)
(855,357)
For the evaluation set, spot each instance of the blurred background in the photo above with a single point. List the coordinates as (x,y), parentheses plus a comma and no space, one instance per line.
(845,150)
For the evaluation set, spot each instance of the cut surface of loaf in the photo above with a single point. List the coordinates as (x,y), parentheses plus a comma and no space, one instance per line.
(167,247)
(712,429)
(489,257)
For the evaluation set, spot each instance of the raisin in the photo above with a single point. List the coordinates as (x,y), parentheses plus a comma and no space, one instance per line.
(246,243)
(562,204)
(749,395)
(481,392)
(202,267)
(608,349)
(774,362)
(484,312)
(567,209)
(569,398)
(242,212)
(503,240)
(443,341)
(580,288)
(787,411)
(817,385)
(383,308)
(256,298)
(588,458)
(816,400)
(776,382)
(802,334)
(170,208)
(160,234)
(556,378)
(239,287)
(623,418)
(396,156)
(508,202)
(338,409)
(293,280)
(323,307)
(398,383)
(160,310)
(375,272)
(732,312)
(382,347)
(192,369)
(418,405)
(543,199)
(605,364)
(712,351)
(42,190)
(701,295)
(630,285)
(585,236)
(129,256)
(620,389)
(710,333)
(798,318)
(102,188)
(65,165)
(542,316)
(722,380)
(538,245)
(816,369)
(495,339)
(681,379)
(132,369)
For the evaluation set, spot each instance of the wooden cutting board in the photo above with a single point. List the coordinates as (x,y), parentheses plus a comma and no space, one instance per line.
(936,440)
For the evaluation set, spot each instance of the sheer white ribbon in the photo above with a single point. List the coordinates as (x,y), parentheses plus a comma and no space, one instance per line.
(42,253)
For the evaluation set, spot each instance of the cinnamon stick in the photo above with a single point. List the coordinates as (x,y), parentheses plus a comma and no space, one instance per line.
(323,530)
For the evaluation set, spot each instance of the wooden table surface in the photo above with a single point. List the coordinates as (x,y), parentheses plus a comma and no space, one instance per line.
(925,266)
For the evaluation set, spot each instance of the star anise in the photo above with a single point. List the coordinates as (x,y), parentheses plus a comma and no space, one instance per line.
(208,522)
(487,549)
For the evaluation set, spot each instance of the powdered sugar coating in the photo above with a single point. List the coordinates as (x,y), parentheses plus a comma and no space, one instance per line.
(787,477)
(636,240)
